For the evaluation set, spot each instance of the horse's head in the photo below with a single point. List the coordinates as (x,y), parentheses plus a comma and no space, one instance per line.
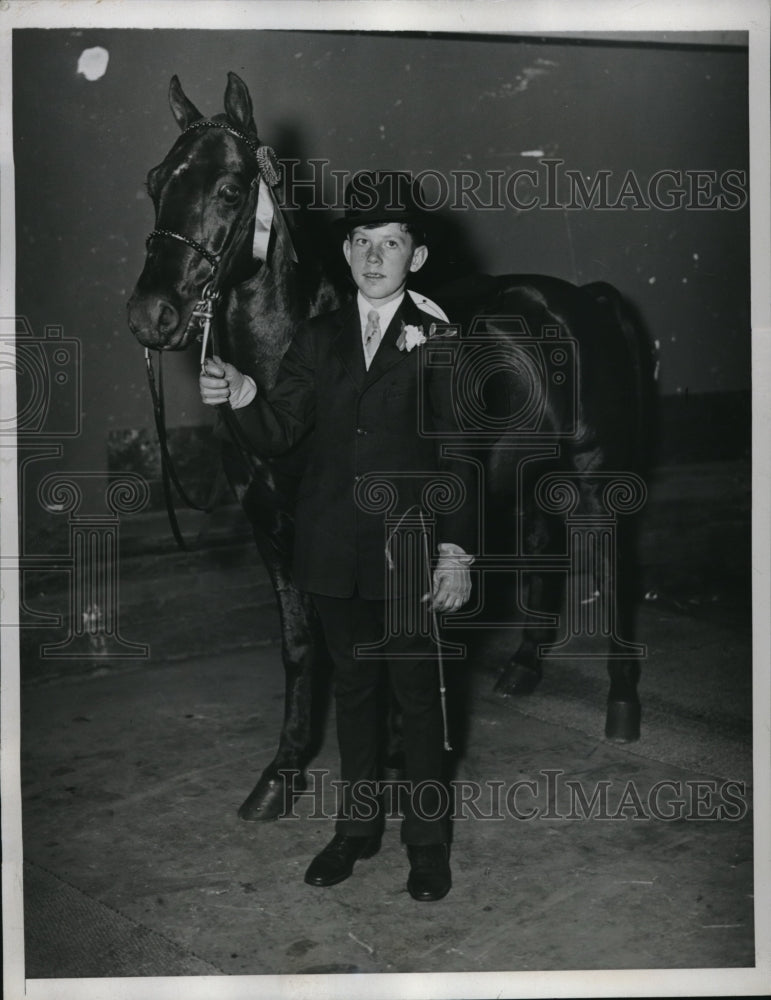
(204,193)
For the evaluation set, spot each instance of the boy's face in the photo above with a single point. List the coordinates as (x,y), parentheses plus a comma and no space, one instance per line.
(380,260)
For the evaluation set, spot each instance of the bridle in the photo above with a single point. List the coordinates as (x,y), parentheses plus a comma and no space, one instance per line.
(267,170)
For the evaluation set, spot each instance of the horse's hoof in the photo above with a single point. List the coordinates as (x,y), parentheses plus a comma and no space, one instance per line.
(622,723)
(272,797)
(517,679)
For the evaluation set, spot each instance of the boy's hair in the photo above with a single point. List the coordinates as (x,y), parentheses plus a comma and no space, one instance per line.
(417,232)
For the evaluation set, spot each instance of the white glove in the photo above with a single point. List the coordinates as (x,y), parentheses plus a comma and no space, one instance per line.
(452,579)
(221,382)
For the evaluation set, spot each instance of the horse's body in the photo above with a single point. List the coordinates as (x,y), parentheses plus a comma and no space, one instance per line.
(590,432)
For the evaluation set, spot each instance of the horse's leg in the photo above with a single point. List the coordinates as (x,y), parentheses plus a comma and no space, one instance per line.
(613,582)
(302,648)
(523,672)
(622,722)
(603,564)
(611,556)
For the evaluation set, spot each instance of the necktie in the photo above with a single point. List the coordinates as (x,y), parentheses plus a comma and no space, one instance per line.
(372,335)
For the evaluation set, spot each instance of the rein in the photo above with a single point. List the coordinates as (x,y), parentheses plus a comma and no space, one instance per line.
(168,471)
(204,312)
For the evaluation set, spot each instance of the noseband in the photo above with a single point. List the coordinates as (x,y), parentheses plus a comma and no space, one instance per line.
(213,258)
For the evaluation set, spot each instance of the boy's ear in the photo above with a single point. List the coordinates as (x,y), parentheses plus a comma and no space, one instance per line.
(419,256)
(347,250)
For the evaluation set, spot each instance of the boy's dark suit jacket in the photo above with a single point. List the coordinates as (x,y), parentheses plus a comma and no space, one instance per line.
(360,422)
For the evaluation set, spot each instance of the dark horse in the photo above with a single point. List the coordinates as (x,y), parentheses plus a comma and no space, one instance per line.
(552,418)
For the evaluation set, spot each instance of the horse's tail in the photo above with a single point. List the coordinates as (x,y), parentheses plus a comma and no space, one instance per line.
(638,351)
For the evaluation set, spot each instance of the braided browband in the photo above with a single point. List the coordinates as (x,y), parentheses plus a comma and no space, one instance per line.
(267,161)
(211,123)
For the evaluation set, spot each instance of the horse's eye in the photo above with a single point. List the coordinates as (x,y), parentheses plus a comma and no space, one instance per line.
(153,181)
(230,192)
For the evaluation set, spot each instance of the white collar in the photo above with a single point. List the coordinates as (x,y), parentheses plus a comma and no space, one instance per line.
(386,313)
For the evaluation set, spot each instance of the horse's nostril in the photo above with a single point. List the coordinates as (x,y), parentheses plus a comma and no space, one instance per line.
(167,318)
(153,320)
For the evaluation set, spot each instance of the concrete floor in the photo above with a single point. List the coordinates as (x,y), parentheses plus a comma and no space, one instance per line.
(132,771)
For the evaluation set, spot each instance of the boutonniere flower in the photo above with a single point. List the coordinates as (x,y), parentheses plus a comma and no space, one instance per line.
(411,336)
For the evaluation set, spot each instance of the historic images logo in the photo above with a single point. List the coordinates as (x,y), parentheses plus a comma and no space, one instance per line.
(548,185)
(547,795)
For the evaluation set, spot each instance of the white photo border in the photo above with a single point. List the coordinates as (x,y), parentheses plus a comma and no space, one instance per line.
(559,18)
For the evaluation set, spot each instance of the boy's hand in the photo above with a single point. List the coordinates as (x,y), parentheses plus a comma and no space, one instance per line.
(220,382)
(451,583)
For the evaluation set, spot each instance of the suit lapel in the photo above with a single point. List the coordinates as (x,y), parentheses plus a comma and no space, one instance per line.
(348,344)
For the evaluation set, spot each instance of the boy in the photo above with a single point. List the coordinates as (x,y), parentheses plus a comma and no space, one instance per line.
(350,380)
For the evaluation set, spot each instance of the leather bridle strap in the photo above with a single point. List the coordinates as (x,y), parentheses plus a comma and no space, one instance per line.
(169,475)
(212,258)
(168,471)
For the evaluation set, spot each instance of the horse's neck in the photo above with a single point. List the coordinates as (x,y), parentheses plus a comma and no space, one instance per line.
(264,312)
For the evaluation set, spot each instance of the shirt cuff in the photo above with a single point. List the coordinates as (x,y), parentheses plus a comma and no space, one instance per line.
(246,393)
(450,549)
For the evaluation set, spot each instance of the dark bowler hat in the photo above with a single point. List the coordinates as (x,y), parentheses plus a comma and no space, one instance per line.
(373,197)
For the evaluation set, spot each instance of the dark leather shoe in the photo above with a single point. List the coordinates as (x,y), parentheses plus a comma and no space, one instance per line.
(430,876)
(335,863)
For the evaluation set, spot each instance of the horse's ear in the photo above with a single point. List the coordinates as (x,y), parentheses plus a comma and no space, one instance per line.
(182,108)
(238,104)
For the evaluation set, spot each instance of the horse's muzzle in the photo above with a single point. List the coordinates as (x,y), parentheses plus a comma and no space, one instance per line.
(157,324)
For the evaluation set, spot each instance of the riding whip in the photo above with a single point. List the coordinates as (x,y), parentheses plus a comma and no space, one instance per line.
(434,619)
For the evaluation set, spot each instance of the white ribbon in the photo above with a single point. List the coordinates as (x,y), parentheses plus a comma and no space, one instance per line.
(268,214)
(263,220)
